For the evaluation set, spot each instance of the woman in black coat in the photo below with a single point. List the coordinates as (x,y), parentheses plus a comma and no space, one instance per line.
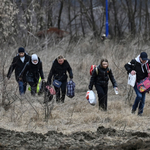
(58,71)
(100,78)
(33,71)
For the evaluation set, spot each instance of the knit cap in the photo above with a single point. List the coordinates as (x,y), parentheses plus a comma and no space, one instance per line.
(21,50)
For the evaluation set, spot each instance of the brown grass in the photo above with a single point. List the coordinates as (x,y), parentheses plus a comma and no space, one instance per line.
(77,114)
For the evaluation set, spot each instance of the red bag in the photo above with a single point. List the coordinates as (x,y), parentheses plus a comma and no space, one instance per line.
(51,90)
(92,68)
(144,85)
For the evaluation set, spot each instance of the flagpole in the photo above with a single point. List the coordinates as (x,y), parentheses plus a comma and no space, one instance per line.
(107,28)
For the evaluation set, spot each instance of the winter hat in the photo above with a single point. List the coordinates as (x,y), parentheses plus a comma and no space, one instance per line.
(21,50)
(143,56)
(34,57)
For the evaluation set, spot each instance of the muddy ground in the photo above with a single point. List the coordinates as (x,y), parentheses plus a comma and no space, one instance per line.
(102,139)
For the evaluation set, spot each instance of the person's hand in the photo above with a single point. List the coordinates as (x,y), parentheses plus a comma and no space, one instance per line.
(133,72)
(20,78)
(148,71)
(43,80)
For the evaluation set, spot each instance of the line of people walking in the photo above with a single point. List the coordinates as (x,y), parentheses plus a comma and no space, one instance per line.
(28,69)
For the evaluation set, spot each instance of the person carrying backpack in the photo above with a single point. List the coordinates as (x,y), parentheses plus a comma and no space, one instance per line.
(58,71)
(100,78)
(18,64)
(33,70)
(139,67)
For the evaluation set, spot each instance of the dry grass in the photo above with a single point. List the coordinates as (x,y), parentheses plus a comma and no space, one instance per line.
(77,114)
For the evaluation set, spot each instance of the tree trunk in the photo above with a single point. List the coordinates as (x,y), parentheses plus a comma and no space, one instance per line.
(60,12)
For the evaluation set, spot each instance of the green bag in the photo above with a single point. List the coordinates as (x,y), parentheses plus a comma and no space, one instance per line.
(38,86)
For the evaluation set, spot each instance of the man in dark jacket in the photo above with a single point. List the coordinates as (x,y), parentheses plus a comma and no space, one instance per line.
(59,72)
(33,70)
(138,66)
(18,64)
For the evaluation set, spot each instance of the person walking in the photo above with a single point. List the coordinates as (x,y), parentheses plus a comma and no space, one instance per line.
(18,64)
(100,78)
(33,70)
(58,71)
(138,66)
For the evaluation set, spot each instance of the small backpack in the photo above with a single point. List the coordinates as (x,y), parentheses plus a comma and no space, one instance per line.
(92,68)
(70,89)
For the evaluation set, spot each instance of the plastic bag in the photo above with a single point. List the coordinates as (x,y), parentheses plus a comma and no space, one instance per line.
(90,96)
(39,86)
(51,90)
(131,79)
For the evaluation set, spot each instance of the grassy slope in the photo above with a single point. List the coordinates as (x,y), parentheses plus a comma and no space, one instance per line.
(77,114)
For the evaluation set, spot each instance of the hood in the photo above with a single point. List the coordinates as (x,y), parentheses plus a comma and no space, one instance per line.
(34,57)
(142,65)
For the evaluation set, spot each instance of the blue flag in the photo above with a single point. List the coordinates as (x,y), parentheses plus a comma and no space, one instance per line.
(107,27)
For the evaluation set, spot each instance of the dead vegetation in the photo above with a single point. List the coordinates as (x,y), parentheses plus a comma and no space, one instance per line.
(76,114)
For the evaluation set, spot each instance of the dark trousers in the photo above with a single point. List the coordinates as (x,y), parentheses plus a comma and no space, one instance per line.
(102,96)
(33,88)
(61,92)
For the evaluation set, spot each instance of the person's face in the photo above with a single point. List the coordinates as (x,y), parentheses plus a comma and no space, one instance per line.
(61,61)
(21,54)
(104,64)
(35,61)
(143,61)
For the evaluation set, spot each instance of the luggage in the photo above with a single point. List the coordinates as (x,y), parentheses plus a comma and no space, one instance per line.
(39,86)
(92,68)
(90,96)
(144,85)
(51,90)
(70,89)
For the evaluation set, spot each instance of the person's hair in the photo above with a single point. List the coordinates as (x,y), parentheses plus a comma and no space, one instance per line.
(103,60)
(60,57)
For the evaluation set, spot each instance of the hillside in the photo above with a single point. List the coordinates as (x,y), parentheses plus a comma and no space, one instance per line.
(76,115)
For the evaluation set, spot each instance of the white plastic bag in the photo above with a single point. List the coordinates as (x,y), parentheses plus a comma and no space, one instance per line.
(90,96)
(131,79)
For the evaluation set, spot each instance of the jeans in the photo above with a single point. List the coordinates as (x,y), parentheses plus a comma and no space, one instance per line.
(22,87)
(139,100)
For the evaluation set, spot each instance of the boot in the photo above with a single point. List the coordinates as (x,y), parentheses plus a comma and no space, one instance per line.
(57,99)
(63,98)
(33,91)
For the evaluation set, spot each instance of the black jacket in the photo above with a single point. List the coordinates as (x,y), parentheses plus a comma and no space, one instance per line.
(18,65)
(102,77)
(59,72)
(141,71)
(32,72)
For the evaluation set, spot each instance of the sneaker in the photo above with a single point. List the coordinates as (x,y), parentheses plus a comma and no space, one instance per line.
(133,111)
(140,114)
